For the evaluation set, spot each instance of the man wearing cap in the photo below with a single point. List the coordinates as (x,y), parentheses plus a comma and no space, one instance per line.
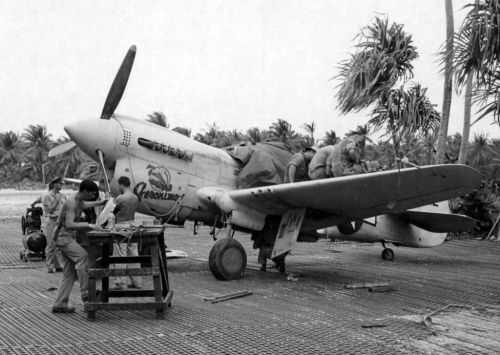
(52,202)
(298,165)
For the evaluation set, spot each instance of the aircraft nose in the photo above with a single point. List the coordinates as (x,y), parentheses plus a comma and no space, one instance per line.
(85,134)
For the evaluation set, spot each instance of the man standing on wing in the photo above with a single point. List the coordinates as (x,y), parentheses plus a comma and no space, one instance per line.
(126,204)
(73,257)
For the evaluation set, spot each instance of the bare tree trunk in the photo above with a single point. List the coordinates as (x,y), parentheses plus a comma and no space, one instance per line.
(462,157)
(448,84)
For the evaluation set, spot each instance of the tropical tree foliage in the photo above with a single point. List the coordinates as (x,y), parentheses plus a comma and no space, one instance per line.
(406,115)
(477,52)
(282,131)
(310,128)
(331,138)
(39,142)
(158,118)
(383,56)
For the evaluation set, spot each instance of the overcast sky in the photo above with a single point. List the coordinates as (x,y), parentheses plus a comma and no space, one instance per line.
(239,63)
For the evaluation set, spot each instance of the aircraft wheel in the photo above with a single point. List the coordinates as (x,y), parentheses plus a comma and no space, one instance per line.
(388,254)
(227,259)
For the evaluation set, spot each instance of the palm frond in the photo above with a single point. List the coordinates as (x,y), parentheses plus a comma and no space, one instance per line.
(383,56)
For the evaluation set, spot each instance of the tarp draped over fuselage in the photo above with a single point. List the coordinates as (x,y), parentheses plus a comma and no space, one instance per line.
(261,164)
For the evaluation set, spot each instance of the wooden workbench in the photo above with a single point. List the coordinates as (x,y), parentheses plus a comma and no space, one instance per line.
(153,263)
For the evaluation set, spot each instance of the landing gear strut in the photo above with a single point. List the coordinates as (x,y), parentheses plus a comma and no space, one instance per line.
(387,253)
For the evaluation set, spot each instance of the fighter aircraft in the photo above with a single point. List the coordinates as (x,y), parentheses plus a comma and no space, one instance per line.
(177,178)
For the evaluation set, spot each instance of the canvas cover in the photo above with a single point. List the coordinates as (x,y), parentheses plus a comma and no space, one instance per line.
(261,164)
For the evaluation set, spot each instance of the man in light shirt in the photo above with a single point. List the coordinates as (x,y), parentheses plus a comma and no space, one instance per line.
(52,202)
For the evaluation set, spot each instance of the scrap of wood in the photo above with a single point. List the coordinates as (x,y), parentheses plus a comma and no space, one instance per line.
(374,325)
(377,289)
(366,285)
(228,297)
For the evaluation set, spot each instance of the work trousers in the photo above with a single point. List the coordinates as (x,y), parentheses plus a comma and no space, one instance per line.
(53,257)
(126,249)
(75,263)
(317,173)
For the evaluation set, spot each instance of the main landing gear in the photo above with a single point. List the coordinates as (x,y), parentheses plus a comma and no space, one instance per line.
(227,259)
(387,253)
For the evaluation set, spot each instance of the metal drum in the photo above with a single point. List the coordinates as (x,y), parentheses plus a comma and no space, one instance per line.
(35,242)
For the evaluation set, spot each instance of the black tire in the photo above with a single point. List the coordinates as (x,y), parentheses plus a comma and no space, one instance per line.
(388,254)
(227,259)
(23,224)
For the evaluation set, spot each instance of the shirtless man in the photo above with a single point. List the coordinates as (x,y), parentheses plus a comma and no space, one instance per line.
(126,204)
(73,257)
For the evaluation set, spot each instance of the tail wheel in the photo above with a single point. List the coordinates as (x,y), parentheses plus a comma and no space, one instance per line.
(227,259)
(388,254)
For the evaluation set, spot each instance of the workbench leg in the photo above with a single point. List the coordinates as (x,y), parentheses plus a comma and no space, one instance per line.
(106,247)
(92,251)
(155,261)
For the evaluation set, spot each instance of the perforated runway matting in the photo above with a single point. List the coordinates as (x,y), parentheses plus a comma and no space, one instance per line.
(309,313)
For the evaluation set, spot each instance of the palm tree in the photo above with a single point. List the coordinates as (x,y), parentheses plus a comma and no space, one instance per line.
(282,131)
(158,118)
(462,156)
(481,152)
(10,148)
(310,128)
(405,115)
(383,56)
(476,62)
(330,138)
(39,143)
(448,84)
(211,136)
(362,130)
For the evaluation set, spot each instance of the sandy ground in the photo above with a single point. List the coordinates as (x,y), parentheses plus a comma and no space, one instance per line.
(13,203)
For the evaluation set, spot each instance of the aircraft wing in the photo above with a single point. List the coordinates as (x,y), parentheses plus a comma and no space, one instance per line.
(336,200)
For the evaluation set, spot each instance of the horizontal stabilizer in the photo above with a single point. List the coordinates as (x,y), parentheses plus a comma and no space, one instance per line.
(438,222)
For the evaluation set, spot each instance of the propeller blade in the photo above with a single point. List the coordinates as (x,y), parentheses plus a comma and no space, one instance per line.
(61,149)
(118,87)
